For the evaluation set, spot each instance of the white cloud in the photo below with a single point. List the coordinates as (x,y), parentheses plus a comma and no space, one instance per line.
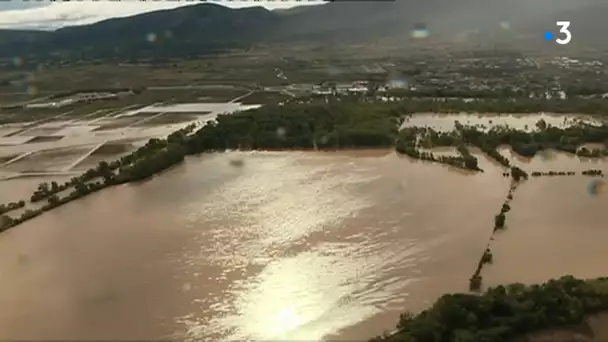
(60,14)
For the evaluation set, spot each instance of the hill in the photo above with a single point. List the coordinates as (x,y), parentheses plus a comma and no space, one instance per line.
(190,30)
(209,28)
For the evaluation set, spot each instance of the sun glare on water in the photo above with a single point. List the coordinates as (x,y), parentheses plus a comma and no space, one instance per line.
(287,319)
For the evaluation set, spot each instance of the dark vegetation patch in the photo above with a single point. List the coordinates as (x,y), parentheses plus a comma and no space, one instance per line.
(112,148)
(265,98)
(45,138)
(139,116)
(5,158)
(168,118)
(57,153)
(41,131)
(116,123)
(504,312)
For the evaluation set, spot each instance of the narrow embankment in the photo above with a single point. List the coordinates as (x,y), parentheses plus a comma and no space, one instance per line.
(519,177)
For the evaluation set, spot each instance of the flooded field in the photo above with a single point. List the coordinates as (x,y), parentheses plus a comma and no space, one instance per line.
(109,151)
(551,160)
(47,160)
(280,246)
(195,107)
(527,122)
(141,124)
(22,188)
(287,246)
(556,228)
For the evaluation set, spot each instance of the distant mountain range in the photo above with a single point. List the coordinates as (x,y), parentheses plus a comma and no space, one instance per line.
(209,28)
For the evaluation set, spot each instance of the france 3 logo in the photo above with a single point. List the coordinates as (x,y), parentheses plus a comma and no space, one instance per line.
(564,37)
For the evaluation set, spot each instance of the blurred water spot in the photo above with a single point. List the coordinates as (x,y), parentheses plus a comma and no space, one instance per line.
(398,83)
(168,34)
(545,155)
(23,259)
(186,287)
(420,31)
(333,70)
(31,90)
(505,25)
(29,77)
(281,131)
(17,61)
(105,294)
(596,187)
(151,37)
(237,162)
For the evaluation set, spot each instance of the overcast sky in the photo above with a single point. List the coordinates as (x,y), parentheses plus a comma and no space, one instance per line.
(46,15)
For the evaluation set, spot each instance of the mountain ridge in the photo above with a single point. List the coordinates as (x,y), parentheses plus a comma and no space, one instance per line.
(210,28)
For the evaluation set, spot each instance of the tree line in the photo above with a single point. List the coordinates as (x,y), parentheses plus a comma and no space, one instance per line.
(320,125)
(504,312)
(5,208)
(518,175)
(468,103)
(294,126)
(527,144)
(416,142)
(155,156)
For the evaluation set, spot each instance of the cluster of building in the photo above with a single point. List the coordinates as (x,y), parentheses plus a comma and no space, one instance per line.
(357,87)
(504,75)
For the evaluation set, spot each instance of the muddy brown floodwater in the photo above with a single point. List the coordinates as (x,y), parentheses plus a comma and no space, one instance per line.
(288,246)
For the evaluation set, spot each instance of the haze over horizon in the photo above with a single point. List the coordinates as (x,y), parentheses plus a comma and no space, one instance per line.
(519,25)
(46,15)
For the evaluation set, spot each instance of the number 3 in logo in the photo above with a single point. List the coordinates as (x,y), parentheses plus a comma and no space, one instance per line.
(564,29)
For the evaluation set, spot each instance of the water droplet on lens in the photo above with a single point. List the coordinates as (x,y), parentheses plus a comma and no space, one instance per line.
(151,37)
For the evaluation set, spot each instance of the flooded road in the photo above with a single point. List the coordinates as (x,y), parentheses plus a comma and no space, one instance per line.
(288,246)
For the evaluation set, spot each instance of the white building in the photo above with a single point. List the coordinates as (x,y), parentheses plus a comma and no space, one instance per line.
(358,89)
(322,91)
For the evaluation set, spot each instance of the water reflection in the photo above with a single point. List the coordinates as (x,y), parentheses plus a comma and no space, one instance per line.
(312,294)
(304,247)
(290,246)
(271,211)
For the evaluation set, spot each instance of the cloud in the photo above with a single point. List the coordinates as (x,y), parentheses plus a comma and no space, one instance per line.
(13,5)
(59,14)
